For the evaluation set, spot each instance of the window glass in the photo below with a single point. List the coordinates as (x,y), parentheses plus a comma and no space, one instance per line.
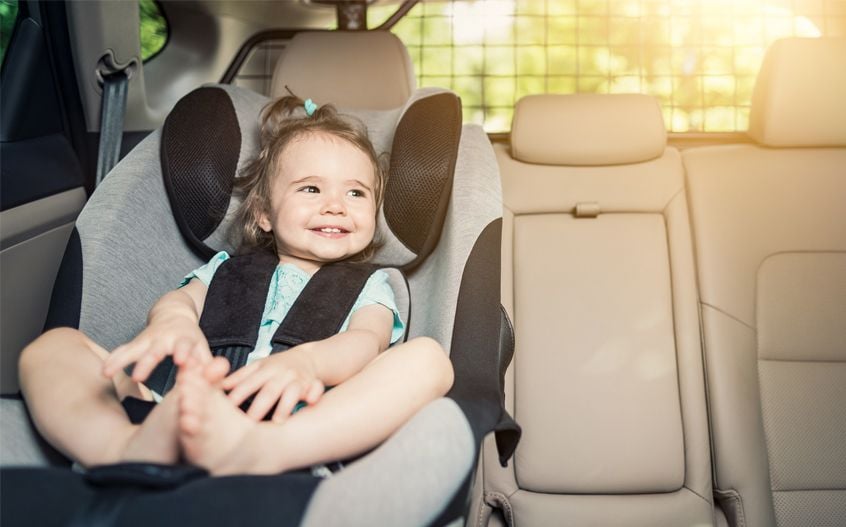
(8,15)
(698,57)
(153,29)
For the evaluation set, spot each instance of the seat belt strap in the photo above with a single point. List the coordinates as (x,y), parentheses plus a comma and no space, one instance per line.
(112,113)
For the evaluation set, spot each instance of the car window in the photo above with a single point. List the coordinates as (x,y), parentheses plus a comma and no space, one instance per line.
(153,30)
(699,57)
(8,15)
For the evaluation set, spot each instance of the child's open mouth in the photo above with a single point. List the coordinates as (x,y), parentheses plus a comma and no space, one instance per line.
(331,232)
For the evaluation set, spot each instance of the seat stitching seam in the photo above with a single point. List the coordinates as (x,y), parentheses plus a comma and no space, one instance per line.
(726,313)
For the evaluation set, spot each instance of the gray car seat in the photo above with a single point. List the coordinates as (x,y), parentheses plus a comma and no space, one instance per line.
(441,223)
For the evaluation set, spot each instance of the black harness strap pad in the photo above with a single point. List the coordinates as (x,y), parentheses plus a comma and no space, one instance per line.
(235,300)
(323,305)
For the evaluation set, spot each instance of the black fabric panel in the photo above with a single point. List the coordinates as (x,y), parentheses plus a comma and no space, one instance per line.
(324,304)
(200,145)
(147,497)
(476,350)
(235,300)
(423,160)
(66,299)
(161,379)
(137,409)
(507,430)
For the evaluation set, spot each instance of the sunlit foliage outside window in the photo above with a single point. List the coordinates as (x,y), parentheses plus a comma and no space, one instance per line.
(8,13)
(698,57)
(153,29)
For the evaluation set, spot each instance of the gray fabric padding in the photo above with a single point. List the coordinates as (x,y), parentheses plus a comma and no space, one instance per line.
(19,441)
(406,481)
(132,250)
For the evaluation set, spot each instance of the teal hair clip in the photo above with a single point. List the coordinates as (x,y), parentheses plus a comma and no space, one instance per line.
(310,107)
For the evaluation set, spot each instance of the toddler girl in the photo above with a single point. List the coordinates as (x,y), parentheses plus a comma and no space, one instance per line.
(311,197)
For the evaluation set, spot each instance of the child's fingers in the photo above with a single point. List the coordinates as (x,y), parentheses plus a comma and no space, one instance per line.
(145,365)
(238,376)
(289,399)
(249,386)
(202,350)
(264,400)
(122,356)
(182,349)
(314,392)
(215,370)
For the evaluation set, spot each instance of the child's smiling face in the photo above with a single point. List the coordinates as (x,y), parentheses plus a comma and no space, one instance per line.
(322,201)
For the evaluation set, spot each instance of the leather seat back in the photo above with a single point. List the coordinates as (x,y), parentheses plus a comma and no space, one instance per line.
(598,278)
(770,232)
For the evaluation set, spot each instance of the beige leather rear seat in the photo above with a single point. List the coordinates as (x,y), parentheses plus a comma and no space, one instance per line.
(769,223)
(598,278)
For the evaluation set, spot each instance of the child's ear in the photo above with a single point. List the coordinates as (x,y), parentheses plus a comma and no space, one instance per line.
(264,222)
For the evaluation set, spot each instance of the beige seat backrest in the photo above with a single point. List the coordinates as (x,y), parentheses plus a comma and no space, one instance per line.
(769,223)
(350,69)
(598,279)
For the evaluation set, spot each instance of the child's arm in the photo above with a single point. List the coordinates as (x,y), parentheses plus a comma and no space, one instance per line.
(172,329)
(301,372)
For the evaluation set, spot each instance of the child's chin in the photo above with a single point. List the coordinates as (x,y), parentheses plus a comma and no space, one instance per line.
(333,256)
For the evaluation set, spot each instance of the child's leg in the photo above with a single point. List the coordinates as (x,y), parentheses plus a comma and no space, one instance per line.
(78,410)
(348,420)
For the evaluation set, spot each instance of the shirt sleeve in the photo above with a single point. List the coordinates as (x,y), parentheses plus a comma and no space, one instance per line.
(205,273)
(377,290)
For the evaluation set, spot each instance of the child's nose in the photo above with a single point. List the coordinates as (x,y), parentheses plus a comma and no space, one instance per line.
(333,205)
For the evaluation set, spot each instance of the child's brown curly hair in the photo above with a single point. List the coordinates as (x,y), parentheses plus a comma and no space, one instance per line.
(283,121)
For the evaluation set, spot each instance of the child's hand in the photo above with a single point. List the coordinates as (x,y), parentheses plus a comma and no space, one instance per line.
(176,335)
(284,378)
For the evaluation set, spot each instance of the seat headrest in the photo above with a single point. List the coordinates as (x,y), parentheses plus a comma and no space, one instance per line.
(350,69)
(587,129)
(799,94)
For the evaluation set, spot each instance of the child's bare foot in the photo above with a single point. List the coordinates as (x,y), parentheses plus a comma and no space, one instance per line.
(214,433)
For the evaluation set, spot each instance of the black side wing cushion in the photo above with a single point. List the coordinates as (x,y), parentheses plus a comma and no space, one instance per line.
(481,347)
(423,159)
(200,146)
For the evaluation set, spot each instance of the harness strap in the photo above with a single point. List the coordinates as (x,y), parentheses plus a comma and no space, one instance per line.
(323,305)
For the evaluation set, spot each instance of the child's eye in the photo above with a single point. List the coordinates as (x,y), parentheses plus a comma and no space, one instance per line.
(311,189)
(357,193)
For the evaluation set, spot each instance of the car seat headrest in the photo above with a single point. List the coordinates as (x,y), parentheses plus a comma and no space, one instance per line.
(350,69)
(798,99)
(204,145)
(587,129)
